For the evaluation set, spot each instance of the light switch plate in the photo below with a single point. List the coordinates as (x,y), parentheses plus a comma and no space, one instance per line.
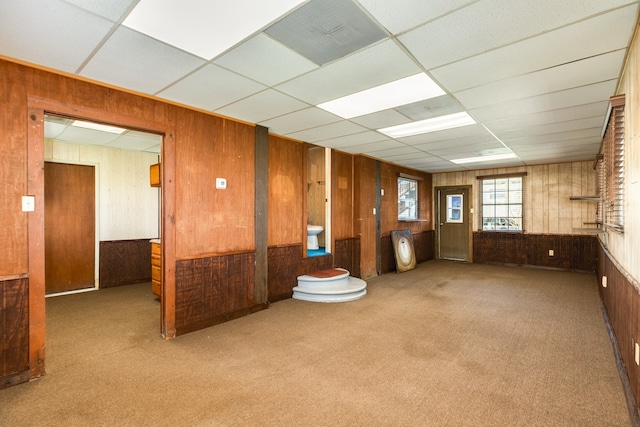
(221,183)
(28,203)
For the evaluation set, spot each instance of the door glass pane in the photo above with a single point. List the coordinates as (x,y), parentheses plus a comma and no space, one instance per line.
(454,208)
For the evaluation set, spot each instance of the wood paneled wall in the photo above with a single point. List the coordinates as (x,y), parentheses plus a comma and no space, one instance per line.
(123,262)
(366,222)
(286,210)
(571,252)
(547,189)
(14,332)
(286,263)
(341,195)
(423,244)
(389,202)
(213,290)
(621,299)
(209,220)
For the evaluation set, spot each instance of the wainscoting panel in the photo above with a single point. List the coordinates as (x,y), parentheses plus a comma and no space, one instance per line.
(286,264)
(124,262)
(570,252)
(621,299)
(347,255)
(14,331)
(213,290)
(423,244)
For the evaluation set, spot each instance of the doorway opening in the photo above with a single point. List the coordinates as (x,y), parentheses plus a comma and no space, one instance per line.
(100,210)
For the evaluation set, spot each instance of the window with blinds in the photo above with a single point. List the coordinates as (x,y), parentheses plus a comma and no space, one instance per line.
(613,167)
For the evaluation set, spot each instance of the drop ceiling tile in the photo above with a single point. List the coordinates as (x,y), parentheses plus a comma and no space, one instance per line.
(86,136)
(113,9)
(381,119)
(538,146)
(558,138)
(134,61)
(137,141)
(203,27)
(580,73)
(329,131)
(354,73)
(547,102)
(596,109)
(474,131)
(211,87)
(534,54)
(371,148)
(453,144)
(411,13)
(399,153)
(326,30)
(342,142)
(265,60)
(50,26)
(568,126)
(467,150)
(429,108)
(262,106)
(300,120)
(475,27)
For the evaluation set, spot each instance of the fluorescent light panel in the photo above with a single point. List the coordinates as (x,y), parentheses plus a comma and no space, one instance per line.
(481,159)
(203,27)
(400,92)
(434,124)
(97,126)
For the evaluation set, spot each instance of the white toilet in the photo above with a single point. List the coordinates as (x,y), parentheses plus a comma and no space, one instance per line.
(312,236)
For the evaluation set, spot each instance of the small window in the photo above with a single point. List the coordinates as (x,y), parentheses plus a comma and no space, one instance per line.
(502,204)
(612,189)
(407,199)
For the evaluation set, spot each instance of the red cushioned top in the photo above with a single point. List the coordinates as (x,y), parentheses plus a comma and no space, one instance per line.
(327,273)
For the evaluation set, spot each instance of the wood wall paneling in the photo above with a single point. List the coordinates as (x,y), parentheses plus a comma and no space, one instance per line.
(366,193)
(14,331)
(123,262)
(342,197)
(213,289)
(286,207)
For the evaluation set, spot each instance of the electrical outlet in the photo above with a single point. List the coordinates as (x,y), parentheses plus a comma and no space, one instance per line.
(604,281)
(551,252)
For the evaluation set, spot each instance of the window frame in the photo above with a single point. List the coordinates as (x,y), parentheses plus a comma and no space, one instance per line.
(483,206)
(611,187)
(411,181)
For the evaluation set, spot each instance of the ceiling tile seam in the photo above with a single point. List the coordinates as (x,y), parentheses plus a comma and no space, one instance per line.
(545,94)
(513,42)
(114,28)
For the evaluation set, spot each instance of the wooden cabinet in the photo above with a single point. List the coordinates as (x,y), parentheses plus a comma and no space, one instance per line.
(154,175)
(156,267)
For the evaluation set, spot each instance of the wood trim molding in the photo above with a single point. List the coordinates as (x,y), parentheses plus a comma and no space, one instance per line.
(504,175)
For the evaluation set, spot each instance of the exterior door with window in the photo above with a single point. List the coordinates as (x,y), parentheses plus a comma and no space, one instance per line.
(453,224)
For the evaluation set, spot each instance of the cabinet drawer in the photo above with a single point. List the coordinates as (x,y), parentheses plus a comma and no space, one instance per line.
(155,260)
(155,287)
(155,249)
(156,273)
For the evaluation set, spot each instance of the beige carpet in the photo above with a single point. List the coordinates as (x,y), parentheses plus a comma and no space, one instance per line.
(447,344)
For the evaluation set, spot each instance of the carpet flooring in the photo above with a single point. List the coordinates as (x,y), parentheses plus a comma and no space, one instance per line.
(446,344)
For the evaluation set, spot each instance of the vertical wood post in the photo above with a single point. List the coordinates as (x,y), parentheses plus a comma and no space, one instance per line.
(261,293)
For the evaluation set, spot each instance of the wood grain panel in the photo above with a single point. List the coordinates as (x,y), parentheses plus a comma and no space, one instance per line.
(285,209)
(389,203)
(211,290)
(366,221)
(346,255)
(123,262)
(14,331)
(208,148)
(571,252)
(341,195)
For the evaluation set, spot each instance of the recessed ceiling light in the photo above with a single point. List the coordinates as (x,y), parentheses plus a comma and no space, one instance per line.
(394,94)
(97,126)
(484,158)
(203,27)
(434,124)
